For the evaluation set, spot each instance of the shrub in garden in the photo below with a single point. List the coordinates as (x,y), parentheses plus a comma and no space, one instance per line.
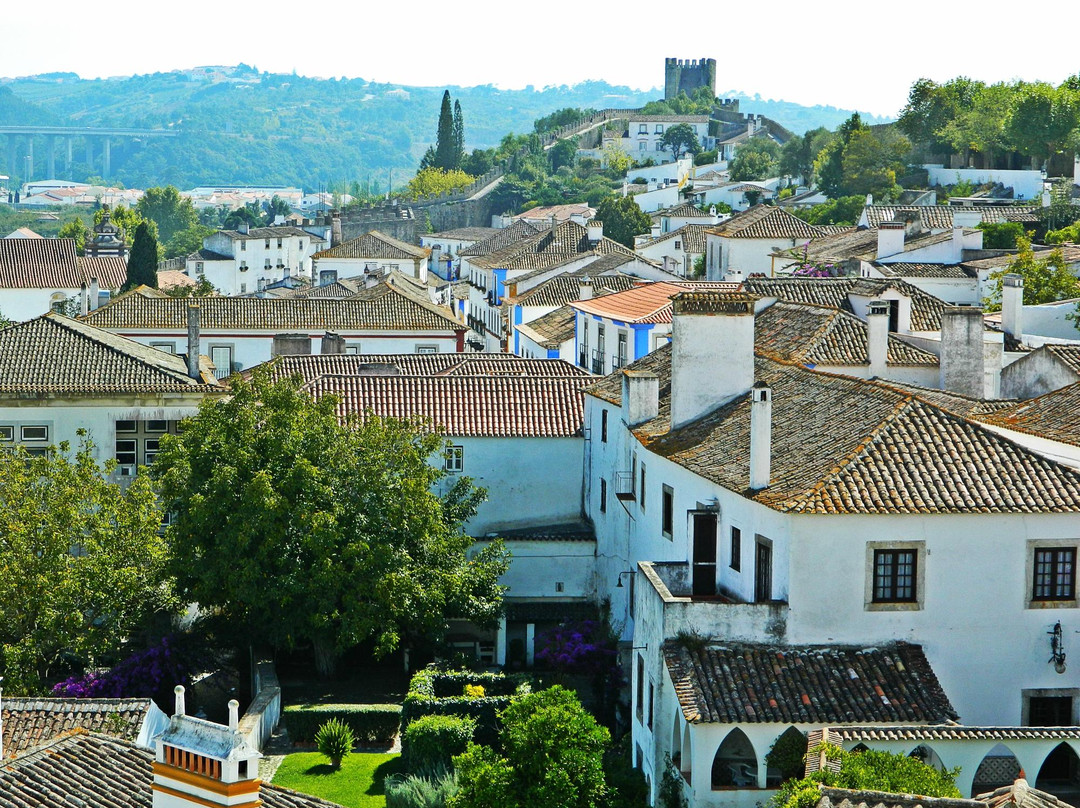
(370,723)
(335,740)
(412,791)
(474,691)
(430,742)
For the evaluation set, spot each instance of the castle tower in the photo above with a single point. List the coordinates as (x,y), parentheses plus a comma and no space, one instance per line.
(199,763)
(688,75)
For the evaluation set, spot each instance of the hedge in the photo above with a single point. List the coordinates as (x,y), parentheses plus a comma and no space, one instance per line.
(429,742)
(435,692)
(370,723)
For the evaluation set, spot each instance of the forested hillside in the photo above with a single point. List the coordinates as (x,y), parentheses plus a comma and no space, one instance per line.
(238,125)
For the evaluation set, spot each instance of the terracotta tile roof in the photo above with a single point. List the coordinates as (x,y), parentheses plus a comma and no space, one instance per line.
(30,722)
(940,217)
(311,367)
(54,354)
(956,403)
(374,244)
(890,451)
(683,211)
(208,255)
(950,732)
(473,234)
(94,771)
(1020,795)
(926,310)
(466,406)
(861,798)
(597,265)
(51,263)
(743,683)
(691,235)
(169,278)
(668,118)
(380,308)
(923,270)
(502,238)
(766,221)
(1054,415)
(565,240)
(551,330)
(1069,354)
(833,229)
(646,302)
(561,213)
(340,289)
(863,243)
(816,335)
(269,232)
(561,289)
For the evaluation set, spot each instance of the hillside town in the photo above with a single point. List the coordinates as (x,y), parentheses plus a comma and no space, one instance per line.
(690,493)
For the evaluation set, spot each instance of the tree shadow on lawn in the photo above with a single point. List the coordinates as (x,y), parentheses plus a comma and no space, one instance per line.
(378,777)
(320,770)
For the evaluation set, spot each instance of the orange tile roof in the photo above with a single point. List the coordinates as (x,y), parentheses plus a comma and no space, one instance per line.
(648,302)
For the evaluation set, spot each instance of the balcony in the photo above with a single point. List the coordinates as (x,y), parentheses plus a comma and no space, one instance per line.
(583,358)
(598,362)
(624,486)
(476,324)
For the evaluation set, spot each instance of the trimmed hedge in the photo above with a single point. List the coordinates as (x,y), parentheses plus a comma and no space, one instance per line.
(370,723)
(435,692)
(429,742)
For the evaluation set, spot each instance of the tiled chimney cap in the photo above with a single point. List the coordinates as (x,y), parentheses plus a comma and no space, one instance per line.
(713,302)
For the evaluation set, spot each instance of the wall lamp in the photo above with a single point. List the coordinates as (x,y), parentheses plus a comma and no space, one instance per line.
(1057,648)
(619,585)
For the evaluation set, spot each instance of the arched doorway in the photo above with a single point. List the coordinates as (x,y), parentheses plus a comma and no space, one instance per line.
(999,767)
(735,763)
(676,744)
(927,755)
(787,757)
(686,765)
(1060,773)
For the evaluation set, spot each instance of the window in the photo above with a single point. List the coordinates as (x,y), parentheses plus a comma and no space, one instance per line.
(603,426)
(736,549)
(1050,707)
(157,426)
(127,426)
(199,267)
(659,129)
(127,451)
(763,572)
(266,244)
(894,576)
(641,489)
(7,433)
(152,447)
(222,357)
(1055,574)
(279,244)
(678,244)
(667,510)
(243,266)
(620,349)
(454,458)
(640,701)
(643,129)
(603,495)
(35,433)
(560,586)
(427,349)
(167,347)
(642,146)
(243,246)
(652,700)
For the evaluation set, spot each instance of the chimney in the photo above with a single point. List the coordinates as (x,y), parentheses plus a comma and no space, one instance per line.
(84,308)
(585,291)
(712,352)
(890,239)
(993,361)
(640,397)
(333,343)
(234,714)
(243,228)
(95,294)
(877,337)
(335,228)
(961,358)
(433,262)
(193,342)
(760,435)
(1012,305)
(596,231)
(179,691)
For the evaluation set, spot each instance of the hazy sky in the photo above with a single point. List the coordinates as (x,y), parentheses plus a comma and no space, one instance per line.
(848,54)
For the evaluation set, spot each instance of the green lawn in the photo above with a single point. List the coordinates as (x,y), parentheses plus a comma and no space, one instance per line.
(358,784)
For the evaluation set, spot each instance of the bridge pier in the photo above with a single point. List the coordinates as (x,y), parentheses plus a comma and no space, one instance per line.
(89,143)
(68,162)
(108,159)
(50,144)
(29,159)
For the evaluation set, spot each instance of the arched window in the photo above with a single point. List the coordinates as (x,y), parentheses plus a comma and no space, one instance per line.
(735,764)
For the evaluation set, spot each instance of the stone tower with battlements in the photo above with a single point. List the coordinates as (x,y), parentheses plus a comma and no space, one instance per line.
(687,75)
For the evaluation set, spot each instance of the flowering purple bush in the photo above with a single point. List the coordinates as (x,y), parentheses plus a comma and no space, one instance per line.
(584,647)
(809,270)
(145,673)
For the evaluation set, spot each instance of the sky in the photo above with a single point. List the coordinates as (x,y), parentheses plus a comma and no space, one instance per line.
(853,55)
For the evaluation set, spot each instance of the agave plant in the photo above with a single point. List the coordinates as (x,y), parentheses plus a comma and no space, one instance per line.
(335,740)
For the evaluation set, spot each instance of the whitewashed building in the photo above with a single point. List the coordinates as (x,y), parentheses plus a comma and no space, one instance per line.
(245,261)
(43,274)
(746,243)
(371,253)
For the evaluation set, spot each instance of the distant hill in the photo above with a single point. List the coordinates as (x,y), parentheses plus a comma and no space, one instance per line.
(238,125)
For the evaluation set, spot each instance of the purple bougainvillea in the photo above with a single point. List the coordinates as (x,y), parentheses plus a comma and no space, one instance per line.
(144,673)
(585,647)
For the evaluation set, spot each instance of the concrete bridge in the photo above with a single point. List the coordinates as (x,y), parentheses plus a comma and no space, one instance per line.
(21,161)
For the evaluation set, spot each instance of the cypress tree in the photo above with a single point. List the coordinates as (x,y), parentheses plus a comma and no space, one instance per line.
(444,137)
(142,261)
(459,135)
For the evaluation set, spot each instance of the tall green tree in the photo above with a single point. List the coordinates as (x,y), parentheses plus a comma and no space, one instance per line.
(446,150)
(1043,120)
(756,159)
(552,755)
(77,230)
(459,135)
(309,531)
(681,139)
(1046,279)
(622,219)
(83,562)
(143,259)
(168,210)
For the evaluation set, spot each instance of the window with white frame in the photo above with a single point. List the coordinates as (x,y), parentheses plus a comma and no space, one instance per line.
(454,458)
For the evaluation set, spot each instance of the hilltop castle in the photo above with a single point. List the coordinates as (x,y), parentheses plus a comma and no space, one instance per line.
(687,75)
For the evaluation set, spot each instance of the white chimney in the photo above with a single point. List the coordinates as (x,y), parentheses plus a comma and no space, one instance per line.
(243,228)
(585,291)
(1012,304)
(179,691)
(760,436)
(877,337)
(890,239)
(712,352)
(95,294)
(961,359)
(993,361)
(193,342)
(234,714)
(640,397)
(596,231)
(84,308)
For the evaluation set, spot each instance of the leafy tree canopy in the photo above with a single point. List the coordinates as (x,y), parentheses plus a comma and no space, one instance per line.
(83,562)
(681,139)
(435,181)
(308,530)
(168,210)
(622,219)
(1001,235)
(756,159)
(1046,279)
(845,210)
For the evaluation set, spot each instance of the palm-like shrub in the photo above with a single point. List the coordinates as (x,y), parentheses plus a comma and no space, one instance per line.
(335,740)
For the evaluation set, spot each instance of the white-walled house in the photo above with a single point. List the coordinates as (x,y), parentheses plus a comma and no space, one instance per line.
(676,250)
(760,503)
(642,137)
(244,261)
(1041,371)
(746,243)
(42,274)
(373,252)
(62,375)
(446,247)
(239,332)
